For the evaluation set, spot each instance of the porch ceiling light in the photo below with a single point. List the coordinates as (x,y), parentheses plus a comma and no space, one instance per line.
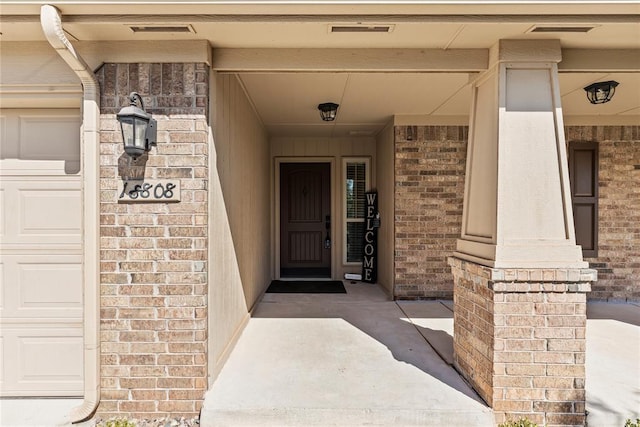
(601,92)
(328,111)
(137,126)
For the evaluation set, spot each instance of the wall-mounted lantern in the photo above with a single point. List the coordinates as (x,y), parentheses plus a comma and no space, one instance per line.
(601,92)
(137,126)
(328,111)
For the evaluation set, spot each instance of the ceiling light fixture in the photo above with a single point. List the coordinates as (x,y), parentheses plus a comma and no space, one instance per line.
(328,111)
(601,92)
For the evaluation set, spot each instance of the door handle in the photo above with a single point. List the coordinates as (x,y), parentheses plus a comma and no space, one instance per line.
(327,225)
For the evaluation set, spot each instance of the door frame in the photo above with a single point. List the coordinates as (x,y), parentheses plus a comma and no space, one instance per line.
(275,227)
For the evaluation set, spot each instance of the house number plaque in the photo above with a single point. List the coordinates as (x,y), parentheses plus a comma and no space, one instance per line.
(148,191)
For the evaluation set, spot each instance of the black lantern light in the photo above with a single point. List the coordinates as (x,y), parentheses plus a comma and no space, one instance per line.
(328,111)
(601,92)
(137,126)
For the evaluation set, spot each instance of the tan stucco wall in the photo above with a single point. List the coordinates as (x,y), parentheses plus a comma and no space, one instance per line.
(326,149)
(385,184)
(32,75)
(33,63)
(240,220)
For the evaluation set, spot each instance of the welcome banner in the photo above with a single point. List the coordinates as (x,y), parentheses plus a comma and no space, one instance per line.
(370,247)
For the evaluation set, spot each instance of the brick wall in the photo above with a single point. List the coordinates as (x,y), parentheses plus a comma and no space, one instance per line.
(519,339)
(154,256)
(618,261)
(429,187)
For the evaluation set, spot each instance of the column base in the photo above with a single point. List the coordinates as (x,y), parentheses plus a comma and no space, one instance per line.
(519,339)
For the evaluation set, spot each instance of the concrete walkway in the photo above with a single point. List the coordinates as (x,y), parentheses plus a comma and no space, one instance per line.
(37,412)
(613,364)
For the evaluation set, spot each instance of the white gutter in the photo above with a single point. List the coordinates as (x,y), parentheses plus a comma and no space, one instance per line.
(52,27)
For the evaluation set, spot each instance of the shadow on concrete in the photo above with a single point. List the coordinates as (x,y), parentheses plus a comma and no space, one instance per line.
(434,321)
(440,341)
(391,324)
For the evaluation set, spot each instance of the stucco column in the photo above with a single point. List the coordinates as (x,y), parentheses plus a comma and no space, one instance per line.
(520,280)
(517,204)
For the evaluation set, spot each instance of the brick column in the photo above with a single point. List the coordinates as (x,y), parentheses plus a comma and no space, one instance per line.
(519,339)
(154,255)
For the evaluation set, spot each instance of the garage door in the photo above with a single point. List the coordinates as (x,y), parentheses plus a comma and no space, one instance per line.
(40,248)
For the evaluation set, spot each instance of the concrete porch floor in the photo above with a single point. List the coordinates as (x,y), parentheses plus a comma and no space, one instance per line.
(344,360)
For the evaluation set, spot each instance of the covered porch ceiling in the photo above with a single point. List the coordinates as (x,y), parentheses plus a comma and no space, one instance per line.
(286,102)
(286,99)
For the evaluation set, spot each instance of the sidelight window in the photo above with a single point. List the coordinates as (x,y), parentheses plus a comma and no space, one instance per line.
(356,183)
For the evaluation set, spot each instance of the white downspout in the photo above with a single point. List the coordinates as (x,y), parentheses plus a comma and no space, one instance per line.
(52,27)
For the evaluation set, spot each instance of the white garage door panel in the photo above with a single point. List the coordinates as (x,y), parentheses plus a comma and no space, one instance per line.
(42,211)
(45,361)
(38,364)
(37,287)
(2,362)
(50,212)
(41,343)
(49,138)
(2,289)
(63,290)
(2,215)
(40,141)
(40,135)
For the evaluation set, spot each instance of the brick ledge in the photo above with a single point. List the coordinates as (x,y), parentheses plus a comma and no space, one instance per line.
(529,279)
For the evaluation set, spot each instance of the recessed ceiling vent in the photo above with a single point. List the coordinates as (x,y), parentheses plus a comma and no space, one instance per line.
(361,28)
(163,29)
(560,29)
(361,132)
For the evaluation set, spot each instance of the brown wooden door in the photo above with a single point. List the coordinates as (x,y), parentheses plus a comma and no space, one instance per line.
(305,209)
(583,174)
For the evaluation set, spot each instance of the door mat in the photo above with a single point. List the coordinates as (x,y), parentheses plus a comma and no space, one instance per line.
(306,287)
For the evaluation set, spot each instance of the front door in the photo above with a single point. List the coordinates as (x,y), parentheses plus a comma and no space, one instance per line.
(305,220)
